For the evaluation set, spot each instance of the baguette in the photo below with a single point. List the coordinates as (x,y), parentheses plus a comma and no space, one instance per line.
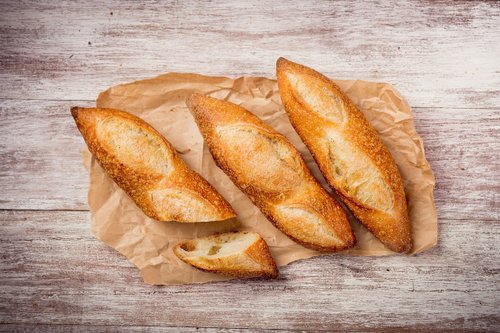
(272,173)
(348,151)
(240,254)
(147,168)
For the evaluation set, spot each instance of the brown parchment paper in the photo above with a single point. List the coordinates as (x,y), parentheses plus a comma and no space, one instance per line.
(148,244)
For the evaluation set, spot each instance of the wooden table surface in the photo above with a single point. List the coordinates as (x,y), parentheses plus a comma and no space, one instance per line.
(443,56)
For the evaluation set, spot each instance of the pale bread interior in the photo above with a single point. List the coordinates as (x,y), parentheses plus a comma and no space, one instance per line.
(133,146)
(302,223)
(355,173)
(219,245)
(268,164)
(318,97)
(182,204)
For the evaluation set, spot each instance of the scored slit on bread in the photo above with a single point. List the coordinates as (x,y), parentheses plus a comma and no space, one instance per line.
(144,164)
(272,173)
(348,151)
(241,254)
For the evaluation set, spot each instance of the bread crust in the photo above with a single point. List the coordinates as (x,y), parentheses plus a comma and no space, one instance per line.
(272,173)
(335,131)
(144,164)
(250,262)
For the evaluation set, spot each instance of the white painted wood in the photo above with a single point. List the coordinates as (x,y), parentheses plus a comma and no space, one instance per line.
(53,271)
(103,328)
(438,54)
(40,157)
(443,56)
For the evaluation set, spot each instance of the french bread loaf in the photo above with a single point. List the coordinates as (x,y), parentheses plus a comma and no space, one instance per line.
(348,151)
(241,254)
(142,162)
(272,173)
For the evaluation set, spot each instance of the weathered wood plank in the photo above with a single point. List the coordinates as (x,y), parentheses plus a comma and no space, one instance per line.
(18,328)
(40,165)
(53,272)
(437,53)
(40,162)
(21,328)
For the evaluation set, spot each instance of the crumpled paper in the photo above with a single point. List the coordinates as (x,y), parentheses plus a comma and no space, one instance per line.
(148,244)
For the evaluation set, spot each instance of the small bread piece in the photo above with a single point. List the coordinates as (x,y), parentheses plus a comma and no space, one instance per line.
(241,254)
(142,162)
(348,152)
(272,173)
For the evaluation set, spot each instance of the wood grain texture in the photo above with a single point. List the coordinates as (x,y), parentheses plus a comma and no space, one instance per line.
(437,53)
(42,167)
(442,55)
(68,277)
(40,157)
(16,328)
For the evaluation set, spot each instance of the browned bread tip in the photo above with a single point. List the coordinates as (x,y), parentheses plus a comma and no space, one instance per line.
(142,162)
(272,173)
(348,151)
(240,254)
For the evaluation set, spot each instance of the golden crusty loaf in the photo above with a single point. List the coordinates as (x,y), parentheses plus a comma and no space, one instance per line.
(348,152)
(241,254)
(142,162)
(264,165)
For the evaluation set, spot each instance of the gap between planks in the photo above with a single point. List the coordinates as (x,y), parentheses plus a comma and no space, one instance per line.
(444,219)
(62,100)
